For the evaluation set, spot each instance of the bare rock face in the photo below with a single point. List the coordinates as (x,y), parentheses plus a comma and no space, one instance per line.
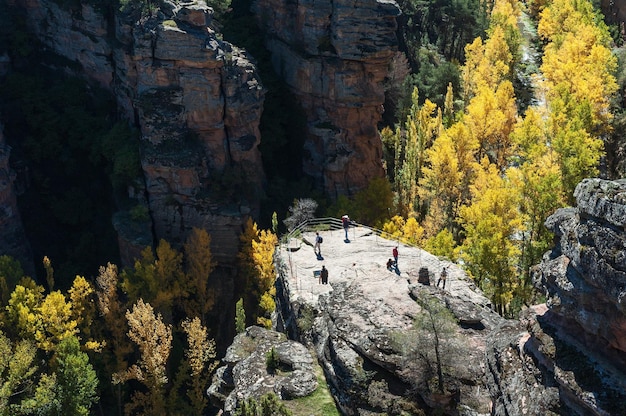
(585,276)
(78,35)
(334,55)
(196,99)
(245,373)
(567,356)
(13,240)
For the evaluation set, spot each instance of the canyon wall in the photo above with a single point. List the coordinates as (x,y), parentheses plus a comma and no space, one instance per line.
(13,240)
(334,55)
(197,101)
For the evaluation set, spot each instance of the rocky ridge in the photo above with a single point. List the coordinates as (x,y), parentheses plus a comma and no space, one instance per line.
(335,55)
(360,325)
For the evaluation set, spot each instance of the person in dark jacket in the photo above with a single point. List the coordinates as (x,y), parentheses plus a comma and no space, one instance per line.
(324,275)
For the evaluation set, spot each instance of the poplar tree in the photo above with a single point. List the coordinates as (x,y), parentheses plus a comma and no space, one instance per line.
(200,359)
(199,266)
(492,224)
(263,256)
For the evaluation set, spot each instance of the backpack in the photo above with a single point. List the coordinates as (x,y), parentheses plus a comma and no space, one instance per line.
(320,239)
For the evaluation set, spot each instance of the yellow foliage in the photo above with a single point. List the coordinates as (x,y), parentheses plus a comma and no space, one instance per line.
(200,265)
(412,231)
(56,323)
(493,225)
(23,309)
(201,349)
(154,339)
(263,255)
(394,227)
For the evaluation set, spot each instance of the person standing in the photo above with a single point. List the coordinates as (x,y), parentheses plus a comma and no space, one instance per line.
(346,223)
(442,277)
(318,242)
(395,255)
(324,275)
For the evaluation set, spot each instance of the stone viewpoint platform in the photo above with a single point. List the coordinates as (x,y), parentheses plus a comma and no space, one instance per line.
(361,261)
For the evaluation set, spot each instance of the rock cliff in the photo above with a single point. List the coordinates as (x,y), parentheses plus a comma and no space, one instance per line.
(13,240)
(567,356)
(334,55)
(196,99)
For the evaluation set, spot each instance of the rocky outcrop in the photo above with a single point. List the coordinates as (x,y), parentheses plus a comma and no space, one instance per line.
(196,99)
(567,356)
(245,373)
(563,357)
(13,240)
(362,326)
(334,55)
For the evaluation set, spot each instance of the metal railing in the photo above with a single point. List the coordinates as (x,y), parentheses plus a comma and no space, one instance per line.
(331,224)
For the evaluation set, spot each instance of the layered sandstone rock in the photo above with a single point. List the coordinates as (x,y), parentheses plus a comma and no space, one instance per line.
(334,55)
(567,356)
(196,99)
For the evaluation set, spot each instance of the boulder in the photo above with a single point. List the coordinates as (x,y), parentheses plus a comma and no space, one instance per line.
(245,373)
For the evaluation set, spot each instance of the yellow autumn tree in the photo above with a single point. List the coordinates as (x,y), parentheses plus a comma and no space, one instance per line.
(55,322)
(247,270)
(263,256)
(199,266)
(450,169)
(154,341)
(490,117)
(117,346)
(578,70)
(23,309)
(492,224)
(393,228)
(156,279)
(200,362)
(539,175)
(81,296)
(421,126)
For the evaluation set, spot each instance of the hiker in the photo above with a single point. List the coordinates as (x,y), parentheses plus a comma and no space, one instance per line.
(389,264)
(395,255)
(318,242)
(324,275)
(442,277)
(346,223)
